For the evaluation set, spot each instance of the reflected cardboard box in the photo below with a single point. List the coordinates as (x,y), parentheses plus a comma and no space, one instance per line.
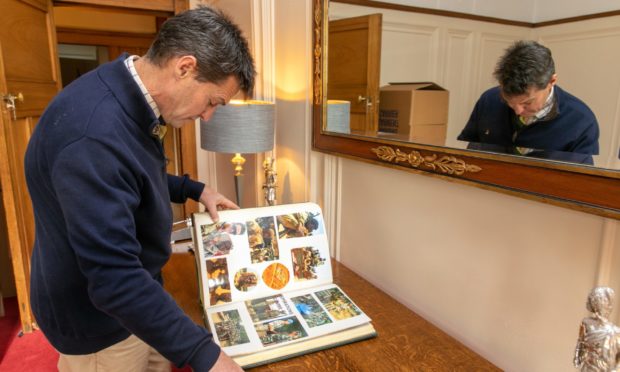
(416,111)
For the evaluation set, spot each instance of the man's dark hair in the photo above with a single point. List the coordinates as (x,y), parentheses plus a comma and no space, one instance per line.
(525,64)
(213,39)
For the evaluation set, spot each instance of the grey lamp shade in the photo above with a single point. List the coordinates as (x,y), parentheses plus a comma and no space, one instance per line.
(243,127)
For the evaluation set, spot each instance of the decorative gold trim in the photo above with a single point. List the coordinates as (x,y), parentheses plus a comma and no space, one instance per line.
(445,164)
(318,57)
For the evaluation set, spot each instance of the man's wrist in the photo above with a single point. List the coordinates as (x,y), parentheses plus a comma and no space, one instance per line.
(205,357)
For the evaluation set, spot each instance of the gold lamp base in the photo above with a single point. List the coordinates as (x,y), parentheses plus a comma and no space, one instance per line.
(238,162)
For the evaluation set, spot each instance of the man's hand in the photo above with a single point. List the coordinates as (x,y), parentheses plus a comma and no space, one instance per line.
(213,200)
(225,364)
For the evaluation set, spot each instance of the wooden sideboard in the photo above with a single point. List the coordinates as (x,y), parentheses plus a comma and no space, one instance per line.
(405,341)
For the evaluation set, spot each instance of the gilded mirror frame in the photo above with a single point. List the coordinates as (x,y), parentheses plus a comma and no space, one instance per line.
(587,189)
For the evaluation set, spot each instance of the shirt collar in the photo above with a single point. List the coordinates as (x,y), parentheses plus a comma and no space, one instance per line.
(547,107)
(543,112)
(129,62)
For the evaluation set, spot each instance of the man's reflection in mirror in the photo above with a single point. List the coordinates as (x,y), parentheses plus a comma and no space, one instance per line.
(528,114)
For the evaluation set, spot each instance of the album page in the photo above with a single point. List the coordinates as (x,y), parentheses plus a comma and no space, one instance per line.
(265,279)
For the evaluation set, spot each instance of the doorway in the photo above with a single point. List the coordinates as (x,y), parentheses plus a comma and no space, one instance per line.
(116,32)
(76,60)
(7,282)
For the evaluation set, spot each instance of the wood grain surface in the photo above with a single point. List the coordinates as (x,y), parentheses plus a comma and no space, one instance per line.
(405,341)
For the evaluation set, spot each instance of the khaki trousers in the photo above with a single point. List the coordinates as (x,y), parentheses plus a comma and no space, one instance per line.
(129,355)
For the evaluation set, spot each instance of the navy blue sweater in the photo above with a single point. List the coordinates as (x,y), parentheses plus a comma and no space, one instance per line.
(573,129)
(101,196)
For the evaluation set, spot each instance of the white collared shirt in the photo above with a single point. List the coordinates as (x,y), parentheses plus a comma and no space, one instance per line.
(149,99)
(543,112)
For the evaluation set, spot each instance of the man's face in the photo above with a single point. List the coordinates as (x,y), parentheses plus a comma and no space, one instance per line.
(194,99)
(532,101)
(528,104)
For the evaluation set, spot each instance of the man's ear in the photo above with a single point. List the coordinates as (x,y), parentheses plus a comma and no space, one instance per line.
(185,66)
(554,79)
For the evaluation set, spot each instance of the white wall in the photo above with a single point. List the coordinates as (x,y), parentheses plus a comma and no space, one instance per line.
(524,10)
(514,10)
(507,277)
(546,10)
(586,63)
(293,61)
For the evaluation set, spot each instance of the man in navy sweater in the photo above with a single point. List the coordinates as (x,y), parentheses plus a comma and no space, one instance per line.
(528,111)
(96,173)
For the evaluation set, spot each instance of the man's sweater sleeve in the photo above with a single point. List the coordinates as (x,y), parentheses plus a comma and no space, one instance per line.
(182,187)
(470,131)
(587,141)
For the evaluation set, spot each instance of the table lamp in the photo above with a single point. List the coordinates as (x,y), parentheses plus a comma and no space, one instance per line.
(240,127)
(338,116)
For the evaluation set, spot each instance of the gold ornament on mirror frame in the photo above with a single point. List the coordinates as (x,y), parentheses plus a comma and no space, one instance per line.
(318,56)
(445,164)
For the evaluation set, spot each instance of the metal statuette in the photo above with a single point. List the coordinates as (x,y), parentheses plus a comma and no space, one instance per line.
(598,345)
(270,185)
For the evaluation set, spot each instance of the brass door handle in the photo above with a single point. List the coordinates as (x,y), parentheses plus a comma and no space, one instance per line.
(9,102)
(361,99)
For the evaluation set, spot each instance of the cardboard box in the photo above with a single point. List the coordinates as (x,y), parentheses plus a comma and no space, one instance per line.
(418,111)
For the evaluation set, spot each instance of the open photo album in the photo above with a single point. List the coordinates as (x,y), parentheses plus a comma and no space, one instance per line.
(265,281)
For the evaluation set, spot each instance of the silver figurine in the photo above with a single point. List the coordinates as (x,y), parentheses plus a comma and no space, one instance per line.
(598,346)
(269,187)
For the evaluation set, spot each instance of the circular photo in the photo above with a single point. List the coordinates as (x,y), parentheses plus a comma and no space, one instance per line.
(245,280)
(276,276)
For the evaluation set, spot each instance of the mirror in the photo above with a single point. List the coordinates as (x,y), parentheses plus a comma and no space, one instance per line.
(372,47)
(455,54)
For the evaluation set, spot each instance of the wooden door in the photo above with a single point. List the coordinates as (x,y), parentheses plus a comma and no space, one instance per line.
(28,70)
(353,67)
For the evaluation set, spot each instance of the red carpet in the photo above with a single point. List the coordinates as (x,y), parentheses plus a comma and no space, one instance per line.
(30,352)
